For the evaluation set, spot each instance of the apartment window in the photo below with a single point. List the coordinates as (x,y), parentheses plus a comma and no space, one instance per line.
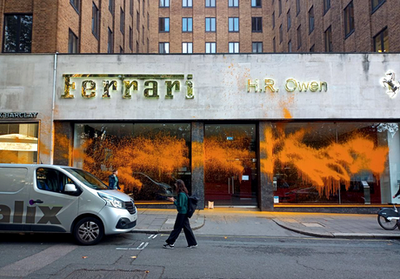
(121,50)
(17,33)
(164,3)
(142,34)
(148,21)
(130,38)
(328,39)
(256,3)
(327,5)
(211,47)
(233,3)
(131,7)
(163,47)
(349,19)
(187,3)
(289,20)
(376,4)
(137,47)
(187,47)
(299,37)
(75,4)
(256,24)
(312,48)
(280,7)
(187,24)
(311,20)
(110,44)
(143,8)
(122,22)
(210,24)
(148,45)
(381,41)
(273,20)
(210,3)
(257,47)
(297,7)
(111,6)
(234,47)
(274,44)
(280,34)
(137,21)
(95,20)
(73,42)
(233,24)
(164,24)
(290,46)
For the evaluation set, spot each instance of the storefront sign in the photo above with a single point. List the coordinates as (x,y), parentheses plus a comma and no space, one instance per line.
(151,86)
(18,114)
(290,85)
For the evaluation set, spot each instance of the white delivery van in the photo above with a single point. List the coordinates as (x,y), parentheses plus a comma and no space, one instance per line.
(50,198)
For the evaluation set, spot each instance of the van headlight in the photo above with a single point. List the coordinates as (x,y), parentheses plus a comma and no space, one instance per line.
(112,201)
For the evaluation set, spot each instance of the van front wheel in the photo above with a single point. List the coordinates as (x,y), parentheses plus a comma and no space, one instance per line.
(88,231)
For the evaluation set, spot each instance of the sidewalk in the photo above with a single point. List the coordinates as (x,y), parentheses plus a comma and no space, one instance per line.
(313,224)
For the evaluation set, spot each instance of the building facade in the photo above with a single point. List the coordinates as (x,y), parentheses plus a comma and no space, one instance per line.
(74,26)
(240,130)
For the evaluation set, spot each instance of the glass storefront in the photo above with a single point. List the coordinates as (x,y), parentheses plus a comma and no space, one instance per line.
(230,164)
(149,156)
(331,162)
(19,143)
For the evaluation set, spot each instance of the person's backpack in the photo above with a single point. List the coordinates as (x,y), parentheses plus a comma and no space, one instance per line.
(192,205)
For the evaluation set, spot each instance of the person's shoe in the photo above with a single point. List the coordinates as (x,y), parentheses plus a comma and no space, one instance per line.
(192,246)
(168,246)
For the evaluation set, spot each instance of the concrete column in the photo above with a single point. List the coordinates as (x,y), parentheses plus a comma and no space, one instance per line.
(198,162)
(266,194)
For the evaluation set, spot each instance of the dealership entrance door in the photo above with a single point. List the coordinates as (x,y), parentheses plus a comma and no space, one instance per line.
(230,164)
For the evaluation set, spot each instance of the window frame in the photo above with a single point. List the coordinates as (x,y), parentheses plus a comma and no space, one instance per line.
(210,3)
(311,20)
(255,22)
(377,6)
(327,6)
(233,20)
(18,33)
(381,34)
(110,41)
(257,44)
(349,20)
(256,3)
(111,4)
(212,20)
(165,50)
(122,21)
(289,20)
(280,34)
(187,47)
(187,25)
(298,7)
(95,21)
(299,42)
(163,20)
(235,47)
(163,4)
(233,3)
(76,6)
(187,4)
(211,44)
(328,39)
(74,42)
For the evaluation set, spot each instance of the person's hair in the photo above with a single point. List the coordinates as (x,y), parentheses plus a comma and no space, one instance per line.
(115,170)
(180,186)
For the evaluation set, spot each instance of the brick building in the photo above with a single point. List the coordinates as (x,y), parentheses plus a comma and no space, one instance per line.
(204,26)
(74,26)
(335,26)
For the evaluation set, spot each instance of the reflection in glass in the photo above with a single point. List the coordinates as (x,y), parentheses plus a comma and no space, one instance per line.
(230,164)
(18,143)
(149,157)
(328,162)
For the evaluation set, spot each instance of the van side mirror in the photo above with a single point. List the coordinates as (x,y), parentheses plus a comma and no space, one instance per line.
(70,188)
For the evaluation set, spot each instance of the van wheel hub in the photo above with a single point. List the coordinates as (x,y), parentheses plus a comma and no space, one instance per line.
(89,231)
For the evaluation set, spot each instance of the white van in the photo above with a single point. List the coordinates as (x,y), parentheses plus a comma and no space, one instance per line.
(50,198)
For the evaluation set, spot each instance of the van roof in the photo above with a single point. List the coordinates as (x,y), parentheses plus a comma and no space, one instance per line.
(34,166)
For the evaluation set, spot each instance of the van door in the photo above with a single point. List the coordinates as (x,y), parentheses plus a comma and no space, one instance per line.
(14,196)
(52,209)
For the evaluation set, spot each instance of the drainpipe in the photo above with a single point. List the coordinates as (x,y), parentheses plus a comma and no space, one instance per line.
(53,107)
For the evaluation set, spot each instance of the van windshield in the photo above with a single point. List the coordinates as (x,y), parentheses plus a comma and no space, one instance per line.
(87,178)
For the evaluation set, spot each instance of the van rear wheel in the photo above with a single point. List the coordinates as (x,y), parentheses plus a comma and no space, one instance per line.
(88,231)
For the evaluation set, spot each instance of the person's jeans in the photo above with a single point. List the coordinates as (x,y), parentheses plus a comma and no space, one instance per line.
(182,222)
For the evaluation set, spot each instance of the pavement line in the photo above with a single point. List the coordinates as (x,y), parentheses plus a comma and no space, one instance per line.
(152,236)
(140,247)
(24,267)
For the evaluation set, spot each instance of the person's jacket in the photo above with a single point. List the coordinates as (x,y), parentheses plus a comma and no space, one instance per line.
(181,203)
(113,183)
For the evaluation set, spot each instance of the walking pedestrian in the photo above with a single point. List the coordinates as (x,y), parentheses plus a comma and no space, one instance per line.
(113,183)
(182,221)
